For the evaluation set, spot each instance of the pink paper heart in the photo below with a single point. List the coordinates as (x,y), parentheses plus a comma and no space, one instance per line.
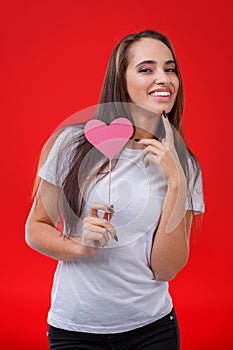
(109,139)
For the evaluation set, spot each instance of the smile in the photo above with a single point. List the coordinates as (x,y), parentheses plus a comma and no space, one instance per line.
(160,93)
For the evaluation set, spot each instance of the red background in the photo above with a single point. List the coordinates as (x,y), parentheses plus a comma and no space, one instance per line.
(53,58)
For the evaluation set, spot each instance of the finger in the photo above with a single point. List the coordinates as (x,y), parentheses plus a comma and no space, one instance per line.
(102,238)
(151,150)
(89,229)
(107,216)
(103,232)
(99,206)
(93,228)
(168,131)
(154,159)
(93,238)
(150,142)
(146,160)
(163,141)
(101,223)
(153,147)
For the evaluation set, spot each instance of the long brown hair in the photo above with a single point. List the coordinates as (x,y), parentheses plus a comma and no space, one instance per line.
(113,103)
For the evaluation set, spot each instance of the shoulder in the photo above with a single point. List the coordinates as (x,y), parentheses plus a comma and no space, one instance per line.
(64,139)
(67,134)
(59,151)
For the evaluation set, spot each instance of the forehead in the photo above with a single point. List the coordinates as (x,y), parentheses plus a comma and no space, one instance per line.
(149,49)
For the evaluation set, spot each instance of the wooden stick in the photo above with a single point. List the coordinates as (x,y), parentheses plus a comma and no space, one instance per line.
(109,186)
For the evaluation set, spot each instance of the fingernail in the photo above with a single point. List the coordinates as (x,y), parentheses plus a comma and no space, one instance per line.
(96,244)
(116,238)
(110,209)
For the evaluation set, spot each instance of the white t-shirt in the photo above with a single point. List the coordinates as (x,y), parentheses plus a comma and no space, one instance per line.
(115,290)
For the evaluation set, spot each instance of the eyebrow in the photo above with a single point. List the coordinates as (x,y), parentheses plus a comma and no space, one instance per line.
(154,62)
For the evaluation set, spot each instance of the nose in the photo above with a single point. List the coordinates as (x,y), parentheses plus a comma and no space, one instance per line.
(161,77)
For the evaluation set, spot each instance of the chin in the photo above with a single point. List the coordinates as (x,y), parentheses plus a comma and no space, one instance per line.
(151,110)
(159,110)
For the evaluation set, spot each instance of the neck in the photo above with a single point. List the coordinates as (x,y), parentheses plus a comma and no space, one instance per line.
(144,132)
(145,126)
(144,129)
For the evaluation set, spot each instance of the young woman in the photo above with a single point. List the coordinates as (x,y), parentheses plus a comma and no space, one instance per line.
(110,288)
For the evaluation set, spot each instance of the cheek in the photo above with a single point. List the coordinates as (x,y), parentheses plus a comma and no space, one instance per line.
(135,86)
(176,84)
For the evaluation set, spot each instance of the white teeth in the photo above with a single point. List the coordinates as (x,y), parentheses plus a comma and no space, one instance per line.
(160,93)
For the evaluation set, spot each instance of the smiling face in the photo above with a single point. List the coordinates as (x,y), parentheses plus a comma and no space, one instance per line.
(151,77)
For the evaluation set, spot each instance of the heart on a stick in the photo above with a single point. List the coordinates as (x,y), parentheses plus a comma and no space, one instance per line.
(109,139)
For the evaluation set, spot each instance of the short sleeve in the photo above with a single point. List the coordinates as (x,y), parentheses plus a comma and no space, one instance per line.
(57,164)
(195,200)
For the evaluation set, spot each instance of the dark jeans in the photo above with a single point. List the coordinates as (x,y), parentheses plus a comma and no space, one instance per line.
(162,334)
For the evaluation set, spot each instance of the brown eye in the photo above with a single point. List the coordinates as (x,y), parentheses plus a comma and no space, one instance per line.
(145,70)
(171,70)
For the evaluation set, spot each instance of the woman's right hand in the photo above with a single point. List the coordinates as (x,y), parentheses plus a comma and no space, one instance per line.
(43,236)
(96,230)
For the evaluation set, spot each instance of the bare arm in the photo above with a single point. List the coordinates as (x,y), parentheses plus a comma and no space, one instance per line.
(42,235)
(170,250)
(171,242)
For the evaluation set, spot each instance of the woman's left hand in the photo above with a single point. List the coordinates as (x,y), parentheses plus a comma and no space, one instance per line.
(164,155)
